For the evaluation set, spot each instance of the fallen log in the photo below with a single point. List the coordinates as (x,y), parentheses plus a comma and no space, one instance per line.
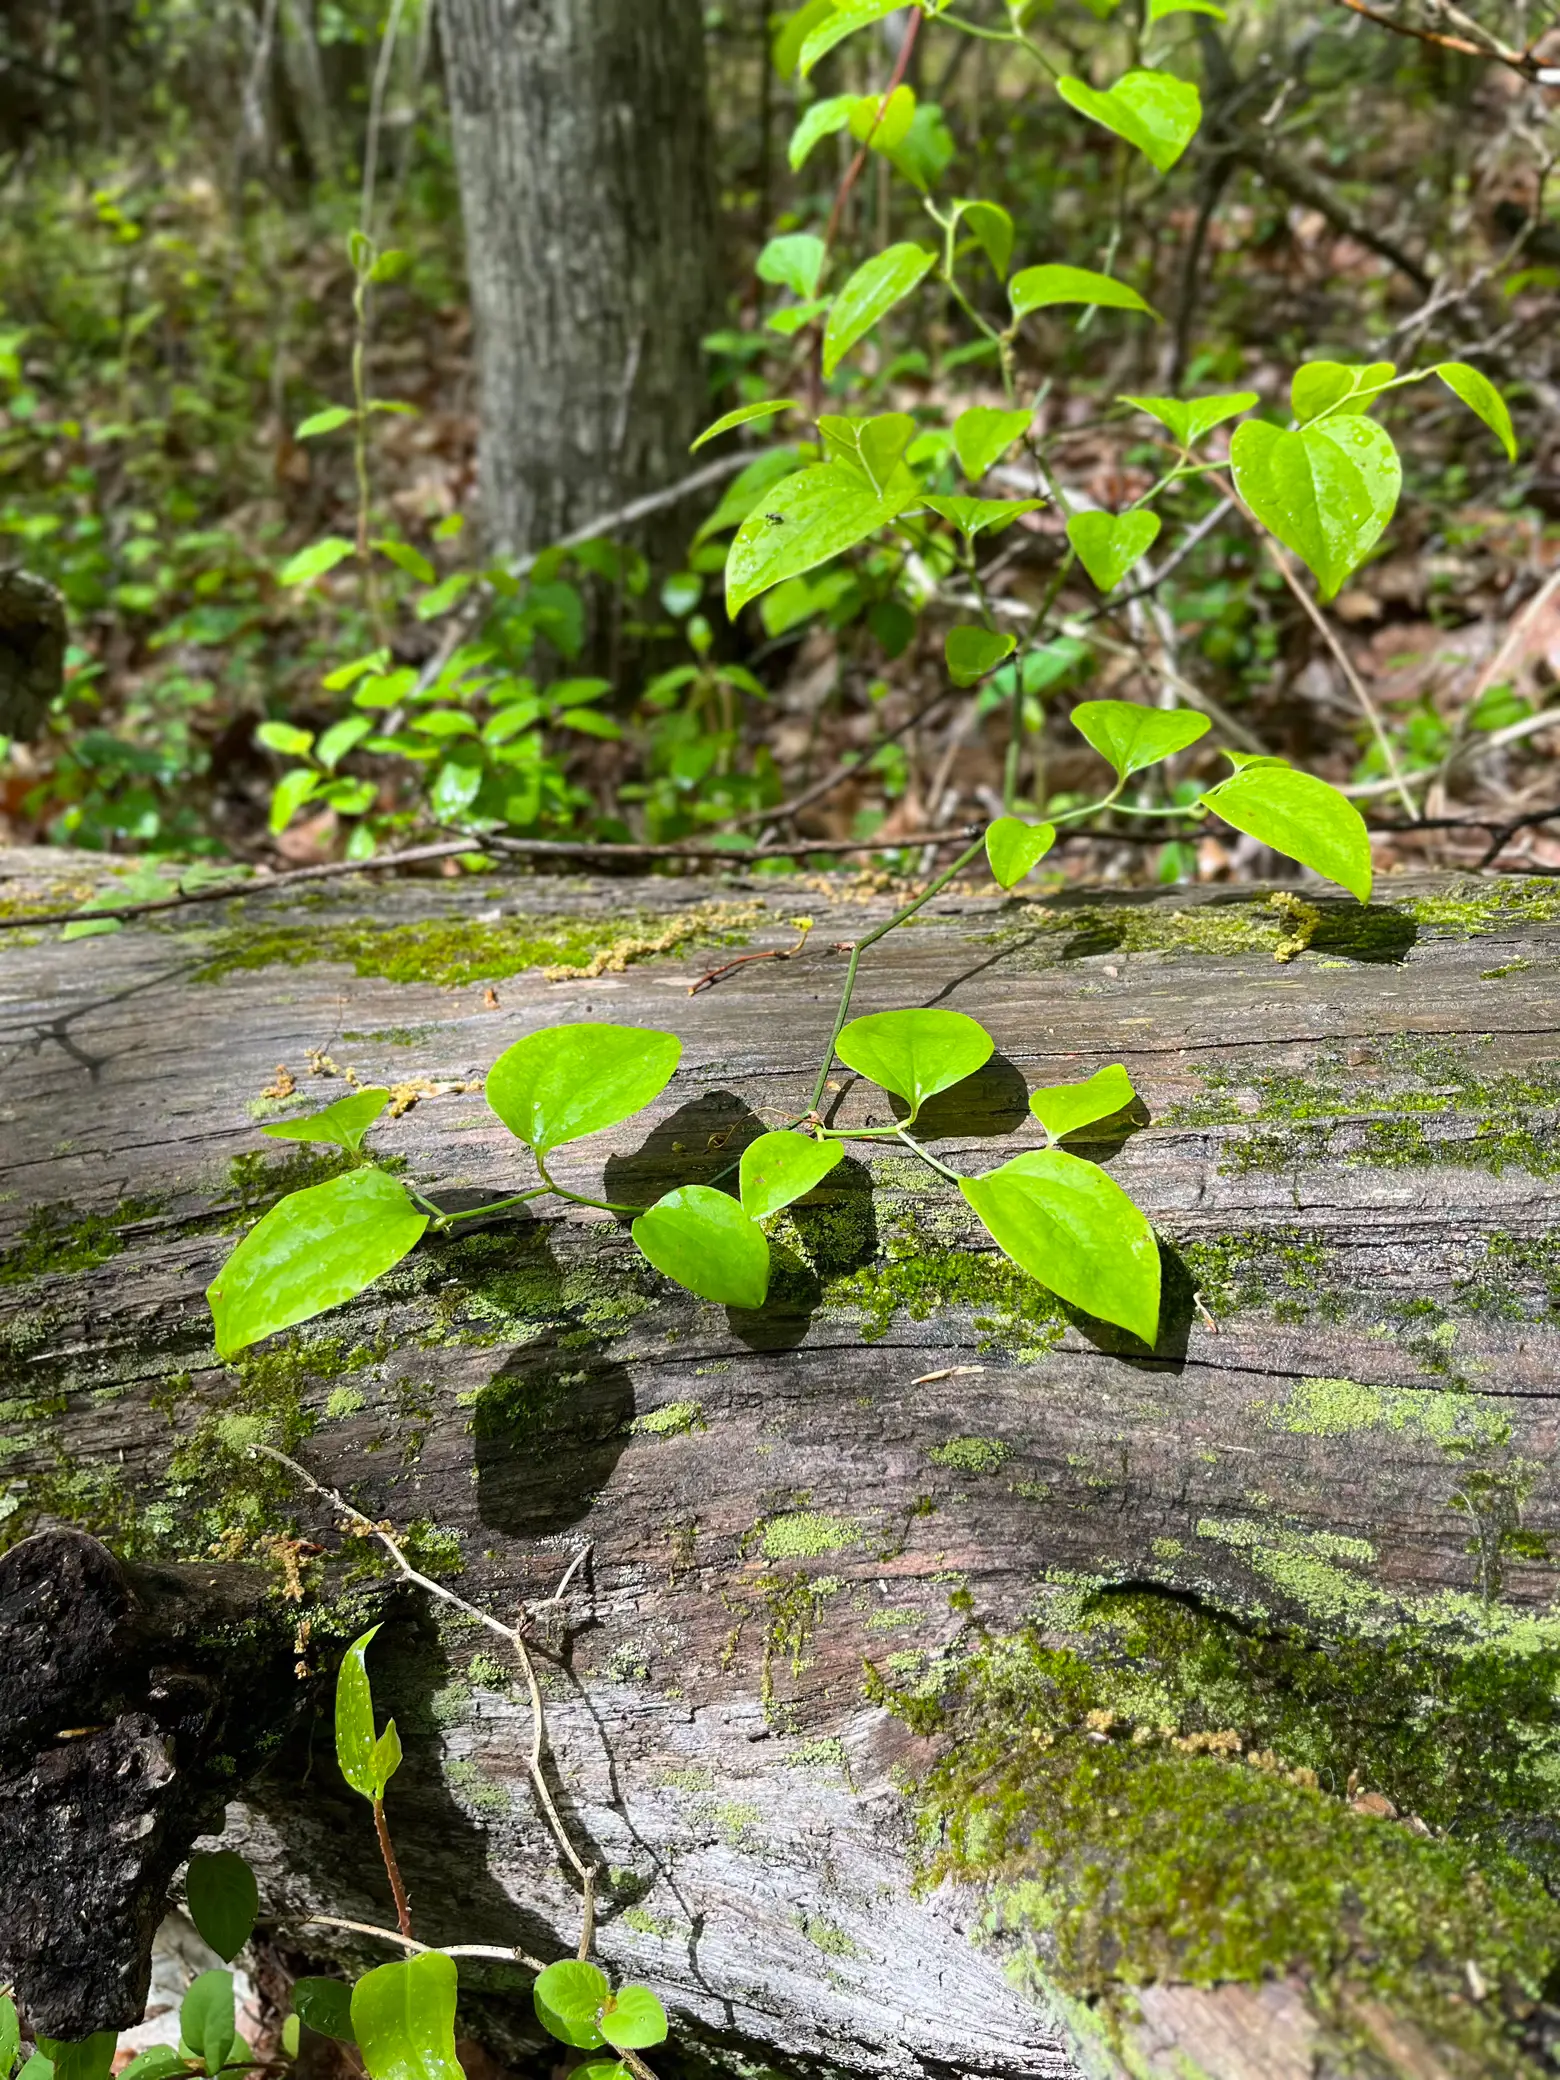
(951,1684)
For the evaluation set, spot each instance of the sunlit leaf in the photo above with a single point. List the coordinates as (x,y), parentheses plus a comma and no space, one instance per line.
(704,1240)
(817,123)
(844,20)
(570,1080)
(870,294)
(1109,544)
(883,124)
(315,561)
(343,1124)
(1300,816)
(1326,490)
(1154,111)
(1188,418)
(1037,288)
(328,421)
(806,520)
(1065,1108)
(1071,1226)
(1131,736)
(357,1745)
(633,2019)
(992,228)
(795,262)
(569,1997)
(1480,395)
(915,1054)
(1327,386)
(1015,848)
(973,516)
(983,435)
(782,1167)
(403,2016)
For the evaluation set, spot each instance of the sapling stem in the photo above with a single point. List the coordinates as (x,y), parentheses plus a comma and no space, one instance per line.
(580,1199)
(403,1906)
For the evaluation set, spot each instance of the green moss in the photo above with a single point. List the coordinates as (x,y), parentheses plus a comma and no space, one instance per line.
(826,1936)
(58,1239)
(894,1617)
(1458,1423)
(1476,907)
(673,1420)
(970,1454)
(738,1822)
(476,1790)
(805,1534)
(454,952)
(919,1279)
(644,1923)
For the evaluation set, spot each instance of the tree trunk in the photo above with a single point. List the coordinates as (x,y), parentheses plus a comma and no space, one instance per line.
(1220,1679)
(583,147)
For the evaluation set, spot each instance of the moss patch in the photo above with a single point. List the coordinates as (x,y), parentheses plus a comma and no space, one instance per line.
(804,1534)
(1458,1423)
(57,1238)
(970,1454)
(920,1279)
(674,1420)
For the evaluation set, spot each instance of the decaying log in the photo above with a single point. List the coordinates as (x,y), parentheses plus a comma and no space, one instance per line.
(32,651)
(1211,1688)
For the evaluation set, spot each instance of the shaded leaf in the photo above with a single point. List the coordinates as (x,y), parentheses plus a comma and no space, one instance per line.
(1063,1108)
(795,262)
(782,1167)
(973,652)
(992,228)
(1189,418)
(206,2019)
(1481,397)
(326,2006)
(223,1900)
(1154,111)
(1037,288)
(817,123)
(870,294)
(846,17)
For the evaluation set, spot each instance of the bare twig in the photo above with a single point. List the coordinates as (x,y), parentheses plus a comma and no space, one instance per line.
(390,1935)
(774,953)
(1485,46)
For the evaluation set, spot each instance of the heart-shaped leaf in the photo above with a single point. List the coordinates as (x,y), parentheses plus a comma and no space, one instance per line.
(569,1997)
(403,2016)
(1479,394)
(1037,288)
(1187,419)
(992,229)
(343,1124)
(874,447)
(1153,110)
(795,262)
(704,1240)
(1327,490)
(1108,544)
(780,1168)
(817,123)
(633,2019)
(1300,816)
(883,122)
(206,2019)
(973,516)
(1015,848)
(983,435)
(870,294)
(1326,386)
(326,2006)
(1066,1108)
(804,521)
(973,652)
(915,1054)
(570,1080)
(1072,1227)
(845,19)
(1131,736)
(223,1900)
(315,1249)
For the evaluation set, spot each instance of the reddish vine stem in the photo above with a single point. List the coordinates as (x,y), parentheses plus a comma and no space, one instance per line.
(403,1906)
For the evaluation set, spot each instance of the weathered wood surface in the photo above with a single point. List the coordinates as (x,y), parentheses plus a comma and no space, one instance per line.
(1359,1442)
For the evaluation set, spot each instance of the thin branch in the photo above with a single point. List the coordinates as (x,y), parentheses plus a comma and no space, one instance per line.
(842,771)
(390,1935)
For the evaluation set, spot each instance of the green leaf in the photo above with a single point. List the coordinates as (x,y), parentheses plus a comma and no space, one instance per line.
(159,2062)
(1481,397)
(1161,10)
(341,738)
(796,263)
(89,2059)
(914,1054)
(779,1168)
(1015,848)
(570,1080)
(312,1251)
(343,1124)
(1154,111)
(795,316)
(223,1900)
(883,124)
(292,2036)
(704,1240)
(1130,736)
(406,558)
(10,2036)
(206,2019)
(817,123)
(1326,386)
(1065,1108)
(1109,544)
(633,2019)
(807,519)
(324,422)
(1037,288)
(990,225)
(315,561)
(973,516)
(872,447)
(390,265)
(366,1763)
(870,294)
(282,737)
(1327,490)
(792,33)
(601,2069)
(973,652)
(37,2068)
(1300,816)
(1068,1224)
(290,793)
(569,1997)
(1189,418)
(846,18)
(403,2016)
(983,434)
(326,2006)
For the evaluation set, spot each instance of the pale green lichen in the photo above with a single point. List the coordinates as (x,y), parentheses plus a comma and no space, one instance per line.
(673,1420)
(806,1534)
(1458,1423)
(971,1454)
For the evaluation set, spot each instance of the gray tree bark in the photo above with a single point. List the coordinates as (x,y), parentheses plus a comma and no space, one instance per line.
(583,147)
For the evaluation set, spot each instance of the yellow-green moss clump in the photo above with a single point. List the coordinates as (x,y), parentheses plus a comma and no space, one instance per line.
(457,951)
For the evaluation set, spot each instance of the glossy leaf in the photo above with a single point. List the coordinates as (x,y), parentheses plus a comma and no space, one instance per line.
(804,521)
(780,1168)
(1187,419)
(1481,397)
(315,561)
(326,2006)
(38,2067)
(89,2058)
(795,262)
(1161,10)
(601,2069)
(1327,386)
(884,124)
(1015,848)
(569,1997)
(792,31)
(983,435)
(1130,736)
(223,1900)
(343,1124)
(333,416)
(157,2062)
(875,447)
(366,1763)
(1300,816)
(312,1251)
(1037,288)
(973,516)
(915,1054)
(10,2036)
(570,1080)
(403,2017)
(705,1242)
(633,2019)
(817,123)
(973,652)
(1064,1108)
(1154,111)
(847,17)
(1327,490)
(870,294)
(1109,544)
(1071,1226)
(289,796)
(990,225)
(206,2019)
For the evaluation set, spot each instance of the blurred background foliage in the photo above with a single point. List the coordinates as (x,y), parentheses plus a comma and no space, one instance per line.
(178,179)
